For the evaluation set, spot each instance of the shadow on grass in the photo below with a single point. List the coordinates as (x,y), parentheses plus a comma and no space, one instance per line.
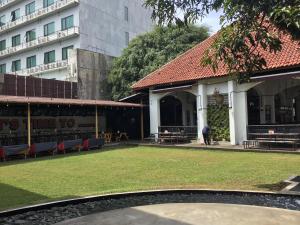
(12,196)
(69,154)
(272,187)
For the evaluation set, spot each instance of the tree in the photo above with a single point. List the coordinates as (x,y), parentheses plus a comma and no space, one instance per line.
(246,26)
(150,51)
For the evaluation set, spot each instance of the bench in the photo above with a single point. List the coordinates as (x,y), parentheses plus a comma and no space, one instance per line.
(172,137)
(73,145)
(250,143)
(49,147)
(93,143)
(14,150)
(294,143)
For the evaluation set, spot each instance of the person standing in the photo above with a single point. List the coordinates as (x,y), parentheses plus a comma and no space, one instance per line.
(205,133)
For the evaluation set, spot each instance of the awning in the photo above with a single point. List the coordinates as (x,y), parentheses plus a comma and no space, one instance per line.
(172,89)
(61,101)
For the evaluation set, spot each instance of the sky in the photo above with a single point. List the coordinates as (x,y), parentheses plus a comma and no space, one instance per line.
(212,21)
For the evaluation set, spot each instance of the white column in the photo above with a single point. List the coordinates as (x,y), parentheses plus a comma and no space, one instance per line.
(201,110)
(238,113)
(154,108)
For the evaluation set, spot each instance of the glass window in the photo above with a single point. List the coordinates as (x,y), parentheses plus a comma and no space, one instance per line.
(65,52)
(30,35)
(48,3)
(67,22)
(126,16)
(2,45)
(126,38)
(49,57)
(2,20)
(31,62)
(16,40)
(16,65)
(30,8)
(3,68)
(49,29)
(15,14)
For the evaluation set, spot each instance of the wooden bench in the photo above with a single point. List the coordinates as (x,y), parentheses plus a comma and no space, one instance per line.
(250,143)
(49,147)
(294,143)
(75,145)
(14,150)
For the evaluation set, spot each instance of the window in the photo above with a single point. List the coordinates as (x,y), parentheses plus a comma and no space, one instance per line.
(126,16)
(16,40)
(67,22)
(48,3)
(30,35)
(15,14)
(31,62)
(49,57)
(2,45)
(16,65)
(30,8)
(3,68)
(126,38)
(49,29)
(2,20)
(65,52)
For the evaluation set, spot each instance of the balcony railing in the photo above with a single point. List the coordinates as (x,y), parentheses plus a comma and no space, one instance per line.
(7,3)
(40,13)
(44,68)
(58,36)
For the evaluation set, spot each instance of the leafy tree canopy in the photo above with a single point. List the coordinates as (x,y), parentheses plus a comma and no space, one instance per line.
(150,51)
(246,25)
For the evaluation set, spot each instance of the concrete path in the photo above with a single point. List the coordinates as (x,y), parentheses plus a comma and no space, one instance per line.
(191,214)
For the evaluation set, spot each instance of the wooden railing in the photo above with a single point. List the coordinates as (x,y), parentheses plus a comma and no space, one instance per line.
(276,128)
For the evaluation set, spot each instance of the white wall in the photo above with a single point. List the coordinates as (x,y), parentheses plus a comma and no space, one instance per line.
(103,24)
(39,27)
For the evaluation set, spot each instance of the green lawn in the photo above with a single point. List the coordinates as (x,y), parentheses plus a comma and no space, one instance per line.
(139,168)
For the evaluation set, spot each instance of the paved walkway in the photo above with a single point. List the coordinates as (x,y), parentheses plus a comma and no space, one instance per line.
(191,214)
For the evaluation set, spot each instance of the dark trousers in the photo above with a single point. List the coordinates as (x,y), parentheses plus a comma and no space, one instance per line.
(206,139)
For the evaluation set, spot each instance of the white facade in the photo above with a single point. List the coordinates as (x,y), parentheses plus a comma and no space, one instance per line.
(97,25)
(286,91)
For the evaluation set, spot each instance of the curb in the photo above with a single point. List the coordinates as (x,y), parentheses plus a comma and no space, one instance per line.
(117,196)
(203,148)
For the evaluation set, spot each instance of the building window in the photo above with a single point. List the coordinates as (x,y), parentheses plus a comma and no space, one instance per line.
(2,45)
(3,68)
(65,52)
(31,62)
(16,40)
(126,38)
(126,15)
(16,65)
(30,35)
(15,14)
(30,8)
(49,57)
(2,20)
(48,3)
(49,29)
(67,22)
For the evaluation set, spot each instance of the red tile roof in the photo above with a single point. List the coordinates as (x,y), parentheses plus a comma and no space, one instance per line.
(187,67)
(63,101)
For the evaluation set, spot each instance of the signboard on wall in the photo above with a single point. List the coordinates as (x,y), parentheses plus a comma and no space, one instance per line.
(40,123)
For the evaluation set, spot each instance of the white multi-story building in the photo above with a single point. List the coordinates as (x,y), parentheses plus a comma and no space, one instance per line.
(36,35)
